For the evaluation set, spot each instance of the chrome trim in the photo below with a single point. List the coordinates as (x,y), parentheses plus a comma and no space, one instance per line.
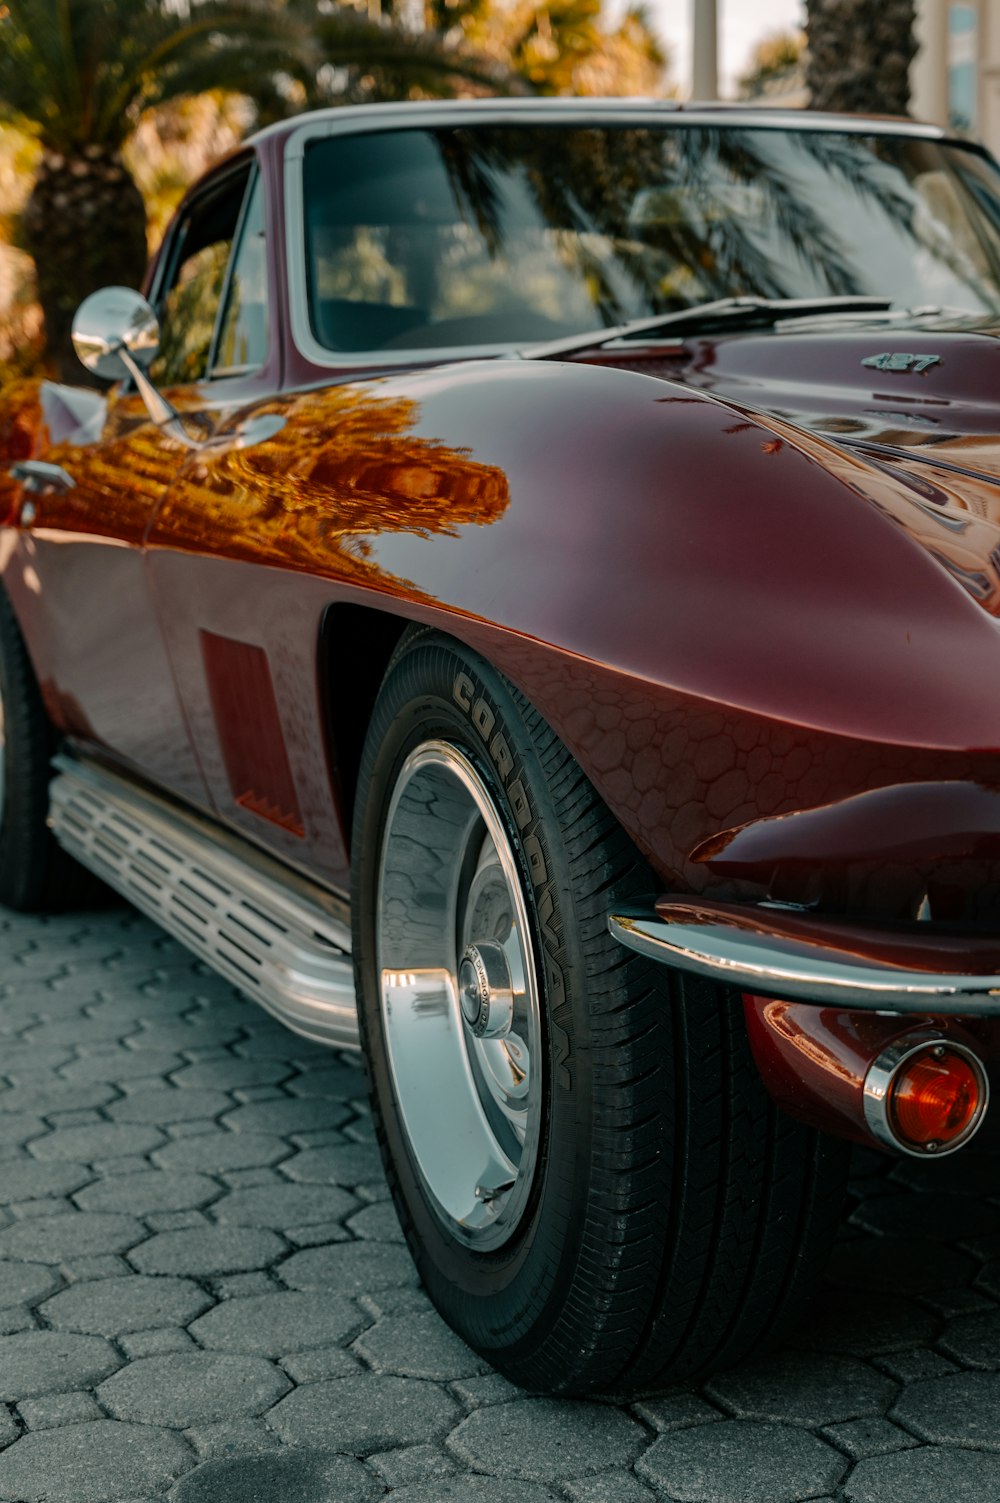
(799,970)
(884,1070)
(363,119)
(258,927)
(468,1082)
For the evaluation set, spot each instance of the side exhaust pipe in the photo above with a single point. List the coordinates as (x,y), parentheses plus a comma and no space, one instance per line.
(918,1090)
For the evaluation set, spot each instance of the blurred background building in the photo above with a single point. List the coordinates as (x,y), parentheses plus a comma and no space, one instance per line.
(954,79)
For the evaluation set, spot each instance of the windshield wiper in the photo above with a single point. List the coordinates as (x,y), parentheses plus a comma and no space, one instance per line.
(746,312)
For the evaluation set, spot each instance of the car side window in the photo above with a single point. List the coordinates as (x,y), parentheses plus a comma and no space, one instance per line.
(241,346)
(188,301)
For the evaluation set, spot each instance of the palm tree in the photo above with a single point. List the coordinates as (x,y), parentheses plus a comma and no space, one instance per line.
(859,55)
(79,73)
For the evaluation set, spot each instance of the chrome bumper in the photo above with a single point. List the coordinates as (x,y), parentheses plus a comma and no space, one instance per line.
(775,952)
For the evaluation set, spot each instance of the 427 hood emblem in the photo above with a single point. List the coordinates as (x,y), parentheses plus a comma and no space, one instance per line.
(897,361)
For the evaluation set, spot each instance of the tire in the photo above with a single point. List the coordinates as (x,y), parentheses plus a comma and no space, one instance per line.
(36,876)
(658,1217)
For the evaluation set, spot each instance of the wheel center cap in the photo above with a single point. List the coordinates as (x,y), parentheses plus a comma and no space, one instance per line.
(485,990)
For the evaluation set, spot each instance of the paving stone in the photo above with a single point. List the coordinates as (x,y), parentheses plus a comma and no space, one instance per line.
(37,1362)
(59,1409)
(53,1206)
(168,1105)
(231,1438)
(471,1489)
(934,1217)
(273,1325)
(338,1083)
(799,1389)
(154,1343)
(490,1389)
(73,1119)
(27,1180)
(219,1150)
(958,1476)
(417,1346)
(896,1265)
(19,1127)
(317,1234)
(609,1487)
(176,1221)
(349,1268)
(952,1302)
(104,1140)
(377,1223)
(25,1283)
(321,1362)
(989,1279)
(675,1412)
(99,1462)
(364,1413)
(100,1266)
(409,1464)
(18,1318)
(545,1439)
(970,1172)
(285,1115)
(204,1251)
(908,1367)
(745,1461)
(282,1205)
(962,1409)
(243,1285)
(8,1427)
(150,1192)
(353,1165)
(972,1339)
(122,1064)
(135,1303)
(250,1179)
(329,1137)
(52,1239)
(193,1128)
(314,1475)
(868,1437)
(405,1300)
(864,1324)
(124,1164)
(192,1388)
(228,1074)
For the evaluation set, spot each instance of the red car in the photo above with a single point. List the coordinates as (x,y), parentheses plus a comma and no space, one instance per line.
(539,569)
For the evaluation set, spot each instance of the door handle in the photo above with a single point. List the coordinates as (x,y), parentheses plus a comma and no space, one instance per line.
(42,479)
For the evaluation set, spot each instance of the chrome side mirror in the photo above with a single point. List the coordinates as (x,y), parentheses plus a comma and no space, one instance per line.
(112,324)
(116,334)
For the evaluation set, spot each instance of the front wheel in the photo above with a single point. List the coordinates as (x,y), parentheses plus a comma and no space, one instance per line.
(596,1189)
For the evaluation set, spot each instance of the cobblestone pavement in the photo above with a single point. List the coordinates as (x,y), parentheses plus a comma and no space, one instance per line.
(203,1294)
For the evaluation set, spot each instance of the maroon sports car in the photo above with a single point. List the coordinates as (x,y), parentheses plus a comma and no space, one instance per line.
(538,573)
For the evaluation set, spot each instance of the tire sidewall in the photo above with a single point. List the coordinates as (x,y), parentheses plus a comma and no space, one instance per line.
(434,690)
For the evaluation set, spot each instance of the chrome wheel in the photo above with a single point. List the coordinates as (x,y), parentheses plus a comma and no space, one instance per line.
(459,996)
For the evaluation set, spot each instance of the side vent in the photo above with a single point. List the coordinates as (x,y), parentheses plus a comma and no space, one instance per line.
(249,728)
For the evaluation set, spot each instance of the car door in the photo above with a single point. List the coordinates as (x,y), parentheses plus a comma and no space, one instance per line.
(236,642)
(73,564)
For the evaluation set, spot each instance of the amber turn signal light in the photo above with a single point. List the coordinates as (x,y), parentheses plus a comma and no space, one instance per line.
(925,1096)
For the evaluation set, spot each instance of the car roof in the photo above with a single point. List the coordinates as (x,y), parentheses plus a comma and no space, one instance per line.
(437,112)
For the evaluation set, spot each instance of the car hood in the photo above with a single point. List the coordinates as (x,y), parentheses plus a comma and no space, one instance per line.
(923,392)
(908,417)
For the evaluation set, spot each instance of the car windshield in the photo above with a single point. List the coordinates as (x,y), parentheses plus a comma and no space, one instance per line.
(490,235)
